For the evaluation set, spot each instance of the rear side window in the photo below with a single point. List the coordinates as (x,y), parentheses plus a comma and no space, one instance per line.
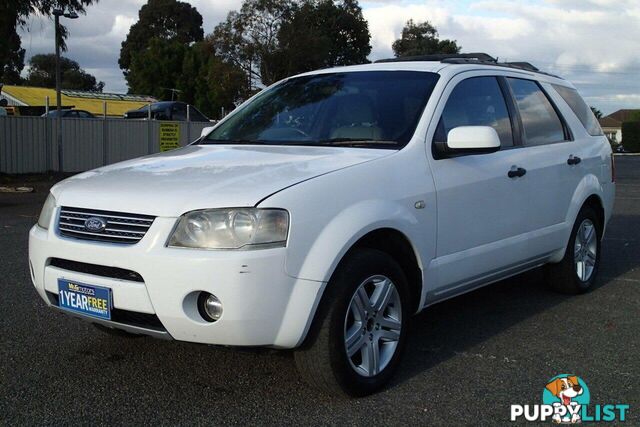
(477,101)
(541,123)
(580,108)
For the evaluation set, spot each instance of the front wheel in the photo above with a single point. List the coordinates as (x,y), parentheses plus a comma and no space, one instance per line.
(359,332)
(577,271)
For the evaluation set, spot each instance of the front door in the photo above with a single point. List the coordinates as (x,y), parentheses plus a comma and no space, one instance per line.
(482,212)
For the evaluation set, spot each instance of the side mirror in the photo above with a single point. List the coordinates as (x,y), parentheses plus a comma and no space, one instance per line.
(205,131)
(470,140)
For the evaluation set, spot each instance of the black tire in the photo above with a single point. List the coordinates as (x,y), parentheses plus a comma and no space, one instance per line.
(116,332)
(563,277)
(322,360)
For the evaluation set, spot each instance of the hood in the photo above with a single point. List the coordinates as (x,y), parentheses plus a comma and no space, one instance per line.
(203,176)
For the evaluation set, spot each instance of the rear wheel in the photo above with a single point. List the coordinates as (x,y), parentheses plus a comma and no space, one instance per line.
(359,332)
(577,271)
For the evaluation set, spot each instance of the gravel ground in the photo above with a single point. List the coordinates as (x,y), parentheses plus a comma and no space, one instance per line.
(468,359)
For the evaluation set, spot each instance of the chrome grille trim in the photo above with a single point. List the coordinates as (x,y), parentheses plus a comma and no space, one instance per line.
(121,227)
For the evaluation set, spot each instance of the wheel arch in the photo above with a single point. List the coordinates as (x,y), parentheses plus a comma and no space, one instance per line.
(398,246)
(386,239)
(588,193)
(594,201)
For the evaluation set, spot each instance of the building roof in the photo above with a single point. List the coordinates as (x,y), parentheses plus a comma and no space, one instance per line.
(117,104)
(615,119)
(623,115)
(609,122)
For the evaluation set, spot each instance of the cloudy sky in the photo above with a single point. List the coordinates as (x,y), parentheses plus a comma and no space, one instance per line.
(593,43)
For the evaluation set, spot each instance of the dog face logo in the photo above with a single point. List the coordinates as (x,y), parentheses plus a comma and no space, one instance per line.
(567,393)
(565,389)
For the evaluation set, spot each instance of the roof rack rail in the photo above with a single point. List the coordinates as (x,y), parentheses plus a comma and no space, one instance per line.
(469,58)
(523,65)
(443,57)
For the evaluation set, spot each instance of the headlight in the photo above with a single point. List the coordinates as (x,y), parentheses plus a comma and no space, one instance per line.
(231,229)
(47,211)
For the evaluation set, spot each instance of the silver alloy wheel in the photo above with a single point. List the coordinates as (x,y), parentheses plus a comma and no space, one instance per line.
(372,325)
(585,250)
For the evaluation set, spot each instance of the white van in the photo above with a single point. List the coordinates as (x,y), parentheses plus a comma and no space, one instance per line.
(331,207)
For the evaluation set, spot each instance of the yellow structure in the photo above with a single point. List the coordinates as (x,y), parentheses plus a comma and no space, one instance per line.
(117,104)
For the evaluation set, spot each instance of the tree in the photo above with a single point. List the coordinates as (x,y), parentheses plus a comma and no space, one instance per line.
(167,20)
(11,53)
(249,37)
(272,39)
(209,82)
(42,72)
(422,39)
(596,112)
(321,34)
(156,69)
(14,13)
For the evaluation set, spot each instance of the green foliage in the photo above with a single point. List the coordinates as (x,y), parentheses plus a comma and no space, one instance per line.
(11,53)
(596,112)
(14,13)
(167,20)
(634,116)
(249,38)
(322,34)
(210,83)
(422,39)
(263,42)
(42,73)
(631,136)
(157,68)
(272,39)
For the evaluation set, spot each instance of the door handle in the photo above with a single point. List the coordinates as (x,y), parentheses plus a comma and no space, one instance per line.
(573,160)
(516,172)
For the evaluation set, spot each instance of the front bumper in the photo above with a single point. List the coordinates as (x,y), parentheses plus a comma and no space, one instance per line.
(262,305)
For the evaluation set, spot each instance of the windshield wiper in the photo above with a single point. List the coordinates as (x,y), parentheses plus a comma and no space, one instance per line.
(355,142)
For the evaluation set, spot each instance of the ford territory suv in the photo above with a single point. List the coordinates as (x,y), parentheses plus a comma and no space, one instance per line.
(332,206)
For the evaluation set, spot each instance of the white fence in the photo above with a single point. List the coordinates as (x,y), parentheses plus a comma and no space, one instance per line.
(29,144)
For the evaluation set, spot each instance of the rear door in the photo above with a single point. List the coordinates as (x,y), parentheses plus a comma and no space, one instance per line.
(482,212)
(553,168)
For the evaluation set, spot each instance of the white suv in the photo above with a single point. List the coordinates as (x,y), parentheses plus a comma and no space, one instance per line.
(328,209)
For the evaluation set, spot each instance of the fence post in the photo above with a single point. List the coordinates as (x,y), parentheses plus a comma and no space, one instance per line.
(47,136)
(105,136)
(188,124)
(149,128)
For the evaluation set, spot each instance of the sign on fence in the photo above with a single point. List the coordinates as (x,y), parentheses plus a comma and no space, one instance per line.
(169,136)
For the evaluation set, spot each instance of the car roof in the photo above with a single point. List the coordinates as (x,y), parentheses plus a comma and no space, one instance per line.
(446,69)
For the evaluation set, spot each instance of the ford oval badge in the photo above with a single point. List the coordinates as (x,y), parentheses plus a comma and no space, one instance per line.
(95,224)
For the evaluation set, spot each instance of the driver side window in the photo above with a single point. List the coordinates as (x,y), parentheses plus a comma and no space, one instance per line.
(476,101)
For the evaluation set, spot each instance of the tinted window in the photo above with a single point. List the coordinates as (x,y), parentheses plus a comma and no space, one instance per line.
(179,112)
(195,115)
(332,107)
(477,101)
(580,108)
(539,119)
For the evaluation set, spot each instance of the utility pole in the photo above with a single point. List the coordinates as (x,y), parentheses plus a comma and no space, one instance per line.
(57,13)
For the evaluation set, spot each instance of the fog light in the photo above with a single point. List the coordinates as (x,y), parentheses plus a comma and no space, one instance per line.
(209,306)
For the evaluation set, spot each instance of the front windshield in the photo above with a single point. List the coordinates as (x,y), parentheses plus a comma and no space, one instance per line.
(350,108)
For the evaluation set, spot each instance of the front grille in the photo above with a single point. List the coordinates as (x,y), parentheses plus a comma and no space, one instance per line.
(96,270)
(121,227)
(126,317)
